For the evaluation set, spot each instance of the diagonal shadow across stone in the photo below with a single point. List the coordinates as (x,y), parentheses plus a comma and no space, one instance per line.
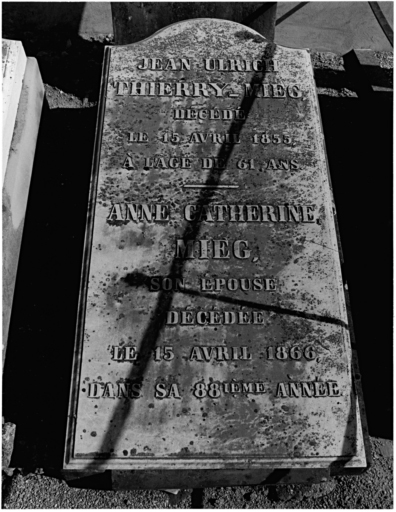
(138,279)
(158,316)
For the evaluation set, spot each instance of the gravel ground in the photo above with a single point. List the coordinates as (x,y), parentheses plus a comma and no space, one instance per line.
(371,490)
(71,70)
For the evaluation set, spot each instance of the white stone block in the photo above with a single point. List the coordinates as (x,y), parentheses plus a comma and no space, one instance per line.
(14,64)
(16,181)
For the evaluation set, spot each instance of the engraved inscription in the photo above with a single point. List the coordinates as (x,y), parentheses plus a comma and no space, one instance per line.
(206,354)
(214,284)
(203,318)
(217,389)
(212,249)
(214,138)
(207,90)
(180,64)
(241,65)
(137,137)
(126,212)
(214,114)
(164,64)
(232,284)
(213,289)
(250,213)
(164,390)
(127,353)
(114,390)
(312,389)
(294,353)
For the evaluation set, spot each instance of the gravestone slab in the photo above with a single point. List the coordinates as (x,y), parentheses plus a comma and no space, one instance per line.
(23,96)
(213,331)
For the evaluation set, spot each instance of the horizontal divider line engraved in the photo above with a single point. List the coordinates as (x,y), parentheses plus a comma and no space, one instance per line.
(209,186)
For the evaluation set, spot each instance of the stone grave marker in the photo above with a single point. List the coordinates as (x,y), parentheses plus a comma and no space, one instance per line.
(213,331)
(23,97)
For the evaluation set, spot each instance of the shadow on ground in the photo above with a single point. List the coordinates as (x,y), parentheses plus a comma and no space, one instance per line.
(359,146)
(39,353)
(66,60)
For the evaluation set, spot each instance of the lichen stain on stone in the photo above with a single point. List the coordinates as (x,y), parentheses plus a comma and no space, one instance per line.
(244,35)
(299,256)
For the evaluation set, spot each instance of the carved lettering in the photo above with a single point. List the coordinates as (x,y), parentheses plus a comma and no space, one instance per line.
(214,138)
(212,249)
(126,212)
(272,91)
(128,162)
(166,283)
(216,317)
(137,137)
(233,284)
(125,353)
(269,65)
(193,89)
(206,354)
(164,390)
(114,390)
(213,163)
(250,213)
(189,114)
(167,163)
(164,64)
(311,389)
(216,389)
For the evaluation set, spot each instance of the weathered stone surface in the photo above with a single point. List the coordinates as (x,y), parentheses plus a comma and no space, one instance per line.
(8,436)
(213,331)
(385,447)
(17,181)
(13,67)
(300,492)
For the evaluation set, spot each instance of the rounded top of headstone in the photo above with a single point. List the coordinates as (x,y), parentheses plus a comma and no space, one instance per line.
(210,31)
